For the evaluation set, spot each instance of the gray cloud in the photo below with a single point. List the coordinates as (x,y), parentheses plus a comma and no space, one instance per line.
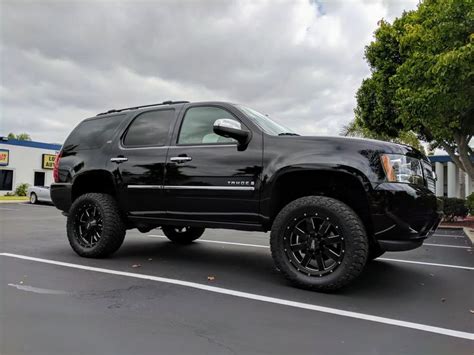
(299,61)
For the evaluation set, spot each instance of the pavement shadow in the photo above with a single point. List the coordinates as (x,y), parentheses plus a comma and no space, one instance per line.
(380,278)
(256,263)
(387,279)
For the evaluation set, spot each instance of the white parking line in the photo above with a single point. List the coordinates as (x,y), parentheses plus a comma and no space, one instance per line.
(217,242)
(256,297)
(429,264)
(448,236)
(445,246)
(9,209)
(32,205)
(267,247)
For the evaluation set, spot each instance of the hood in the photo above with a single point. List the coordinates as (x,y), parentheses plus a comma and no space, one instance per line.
(362,144)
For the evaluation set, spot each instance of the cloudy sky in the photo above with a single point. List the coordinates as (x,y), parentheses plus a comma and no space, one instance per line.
(301,62)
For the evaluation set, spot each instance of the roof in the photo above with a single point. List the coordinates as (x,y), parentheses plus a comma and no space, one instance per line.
(441,158)
(31,144)
(169,102)
(143,108)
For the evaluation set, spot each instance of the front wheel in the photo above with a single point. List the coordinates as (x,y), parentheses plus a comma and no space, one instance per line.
(94,226)
(319,243)
(33,198)
(182,235)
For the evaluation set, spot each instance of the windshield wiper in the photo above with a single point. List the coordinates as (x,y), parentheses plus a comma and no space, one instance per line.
(288,134)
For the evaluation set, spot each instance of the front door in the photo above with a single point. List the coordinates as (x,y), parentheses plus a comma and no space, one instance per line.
(138,162)
(207,178)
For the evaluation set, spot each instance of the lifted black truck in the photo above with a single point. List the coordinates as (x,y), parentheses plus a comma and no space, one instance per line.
(331,203)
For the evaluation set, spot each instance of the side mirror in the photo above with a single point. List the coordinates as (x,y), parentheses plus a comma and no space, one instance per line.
(230,128)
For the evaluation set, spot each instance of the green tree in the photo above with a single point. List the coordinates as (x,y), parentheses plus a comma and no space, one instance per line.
(422,78)
(20,137)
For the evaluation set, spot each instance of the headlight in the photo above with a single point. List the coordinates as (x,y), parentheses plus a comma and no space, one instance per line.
(400,168)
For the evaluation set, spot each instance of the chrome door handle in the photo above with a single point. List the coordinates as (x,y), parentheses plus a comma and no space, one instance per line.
(179,160)
(118,160)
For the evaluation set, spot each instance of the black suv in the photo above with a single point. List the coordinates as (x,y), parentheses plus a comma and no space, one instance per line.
(331,203)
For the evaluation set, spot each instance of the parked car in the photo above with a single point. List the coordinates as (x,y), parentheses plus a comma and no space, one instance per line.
(39,194)
(331,203)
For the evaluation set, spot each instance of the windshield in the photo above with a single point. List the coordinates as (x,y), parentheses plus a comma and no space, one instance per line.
(266,124)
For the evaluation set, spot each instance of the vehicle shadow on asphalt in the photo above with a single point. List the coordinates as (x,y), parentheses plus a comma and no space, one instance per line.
(255,266)
(382,276)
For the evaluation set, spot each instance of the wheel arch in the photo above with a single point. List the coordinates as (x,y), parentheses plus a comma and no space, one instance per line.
(100,181)
(345,184)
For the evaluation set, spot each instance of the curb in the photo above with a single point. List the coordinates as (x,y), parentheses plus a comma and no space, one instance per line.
(13,201)
(470,233)
(449,227)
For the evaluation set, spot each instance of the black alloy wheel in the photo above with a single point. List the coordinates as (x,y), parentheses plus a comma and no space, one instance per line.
(319,243)
(182,234)
(88,225)
(95,227)
(314,245)
(181,230)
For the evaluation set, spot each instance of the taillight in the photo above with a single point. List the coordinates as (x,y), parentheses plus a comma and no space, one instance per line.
(56,167)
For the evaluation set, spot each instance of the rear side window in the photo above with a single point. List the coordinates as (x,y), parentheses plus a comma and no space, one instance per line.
(93,133)
(149,128)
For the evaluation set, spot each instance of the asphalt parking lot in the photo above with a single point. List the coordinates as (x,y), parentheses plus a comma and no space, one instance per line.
(221,295)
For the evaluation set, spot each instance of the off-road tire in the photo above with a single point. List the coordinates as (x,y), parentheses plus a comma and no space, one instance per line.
(187,236)
(350,227)
(113,227)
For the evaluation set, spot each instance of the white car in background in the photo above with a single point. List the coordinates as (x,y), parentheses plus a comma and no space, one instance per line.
(39,194)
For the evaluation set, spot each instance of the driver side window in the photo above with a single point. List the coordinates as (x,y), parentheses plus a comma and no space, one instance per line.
(197,126)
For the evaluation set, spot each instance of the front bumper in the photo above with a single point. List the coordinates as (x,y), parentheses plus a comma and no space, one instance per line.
(403,215)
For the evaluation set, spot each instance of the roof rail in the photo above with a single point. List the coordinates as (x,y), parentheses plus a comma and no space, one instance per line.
(142,106)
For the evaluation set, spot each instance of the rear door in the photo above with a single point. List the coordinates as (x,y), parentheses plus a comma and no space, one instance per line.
(138,162)
(207,177)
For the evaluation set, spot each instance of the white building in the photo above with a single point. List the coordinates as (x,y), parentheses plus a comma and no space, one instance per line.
(25,162)
(451,181)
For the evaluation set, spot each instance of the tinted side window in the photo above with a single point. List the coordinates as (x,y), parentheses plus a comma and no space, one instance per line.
(197,126)
(93,133)
(149,128)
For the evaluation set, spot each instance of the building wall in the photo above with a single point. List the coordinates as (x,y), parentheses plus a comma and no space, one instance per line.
(451,182)
(24,161)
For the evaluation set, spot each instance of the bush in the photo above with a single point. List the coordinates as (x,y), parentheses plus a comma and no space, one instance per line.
(470,204)
(454,208)
(21,189)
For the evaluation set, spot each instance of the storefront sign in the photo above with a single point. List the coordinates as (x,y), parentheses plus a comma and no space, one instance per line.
(48,161)
(4,157)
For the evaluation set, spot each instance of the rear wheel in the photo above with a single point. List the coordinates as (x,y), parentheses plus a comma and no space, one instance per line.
(319,243)
(94,226)
(33,198)
(182,235)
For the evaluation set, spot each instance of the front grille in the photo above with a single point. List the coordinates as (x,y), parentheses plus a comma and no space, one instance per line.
(429,177)
(431,185)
